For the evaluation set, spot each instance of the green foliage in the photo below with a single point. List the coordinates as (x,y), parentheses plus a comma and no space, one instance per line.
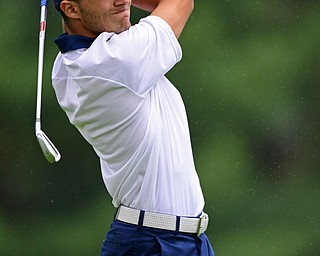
(249,78)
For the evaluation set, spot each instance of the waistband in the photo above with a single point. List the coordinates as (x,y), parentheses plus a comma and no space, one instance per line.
(192,225)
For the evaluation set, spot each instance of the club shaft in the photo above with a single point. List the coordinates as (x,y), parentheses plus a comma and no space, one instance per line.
(43,18)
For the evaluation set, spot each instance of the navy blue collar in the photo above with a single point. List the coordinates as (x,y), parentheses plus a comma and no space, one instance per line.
(67,42)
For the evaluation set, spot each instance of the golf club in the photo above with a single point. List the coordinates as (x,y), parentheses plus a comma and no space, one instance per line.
(49,150)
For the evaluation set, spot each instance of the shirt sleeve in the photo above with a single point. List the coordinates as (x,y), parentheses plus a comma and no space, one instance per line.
(136,58)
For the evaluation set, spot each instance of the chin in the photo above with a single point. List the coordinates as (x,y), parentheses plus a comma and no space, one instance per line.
(123,28)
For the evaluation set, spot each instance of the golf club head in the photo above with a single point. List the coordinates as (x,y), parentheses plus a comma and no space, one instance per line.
(49,150)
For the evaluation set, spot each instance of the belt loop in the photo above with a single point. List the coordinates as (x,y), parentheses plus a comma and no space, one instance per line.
(178,224)
(141,217)
(115,216)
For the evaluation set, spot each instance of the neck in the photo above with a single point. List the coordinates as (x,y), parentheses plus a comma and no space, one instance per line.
(76,28)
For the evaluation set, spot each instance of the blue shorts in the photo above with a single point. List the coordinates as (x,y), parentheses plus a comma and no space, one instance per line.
(129,240)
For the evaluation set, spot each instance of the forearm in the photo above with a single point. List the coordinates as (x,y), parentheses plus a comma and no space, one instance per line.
(146,5)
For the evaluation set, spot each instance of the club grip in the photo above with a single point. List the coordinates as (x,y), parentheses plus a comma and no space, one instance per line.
(44,2)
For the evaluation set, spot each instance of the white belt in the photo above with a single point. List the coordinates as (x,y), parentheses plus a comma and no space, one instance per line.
(163,221)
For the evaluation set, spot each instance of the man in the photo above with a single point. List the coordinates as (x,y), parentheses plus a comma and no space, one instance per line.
(109,79)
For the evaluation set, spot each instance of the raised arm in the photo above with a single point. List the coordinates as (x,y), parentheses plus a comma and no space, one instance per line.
(174,12)
(146,5)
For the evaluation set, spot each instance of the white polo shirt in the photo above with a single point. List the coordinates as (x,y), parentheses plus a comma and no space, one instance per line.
(115,92)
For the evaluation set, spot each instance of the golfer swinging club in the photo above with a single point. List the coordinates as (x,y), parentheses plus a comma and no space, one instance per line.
(109,78)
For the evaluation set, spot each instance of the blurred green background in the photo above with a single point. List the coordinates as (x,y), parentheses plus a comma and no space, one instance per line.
(250,80)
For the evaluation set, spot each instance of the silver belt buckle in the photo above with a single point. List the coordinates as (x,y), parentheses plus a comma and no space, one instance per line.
(203,223)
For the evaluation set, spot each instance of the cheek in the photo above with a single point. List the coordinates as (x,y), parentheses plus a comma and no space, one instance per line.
(95,22)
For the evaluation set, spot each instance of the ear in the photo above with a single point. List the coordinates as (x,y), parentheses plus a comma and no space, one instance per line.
(70,9)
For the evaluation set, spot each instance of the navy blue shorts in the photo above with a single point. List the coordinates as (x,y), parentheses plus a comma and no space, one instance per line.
(129,240)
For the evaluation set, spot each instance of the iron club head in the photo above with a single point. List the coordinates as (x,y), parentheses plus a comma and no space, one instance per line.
(50,152)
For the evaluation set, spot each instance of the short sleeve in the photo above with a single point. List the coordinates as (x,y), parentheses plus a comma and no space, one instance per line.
(136,58)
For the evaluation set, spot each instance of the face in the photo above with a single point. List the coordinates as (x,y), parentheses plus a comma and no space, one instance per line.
(99,16)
